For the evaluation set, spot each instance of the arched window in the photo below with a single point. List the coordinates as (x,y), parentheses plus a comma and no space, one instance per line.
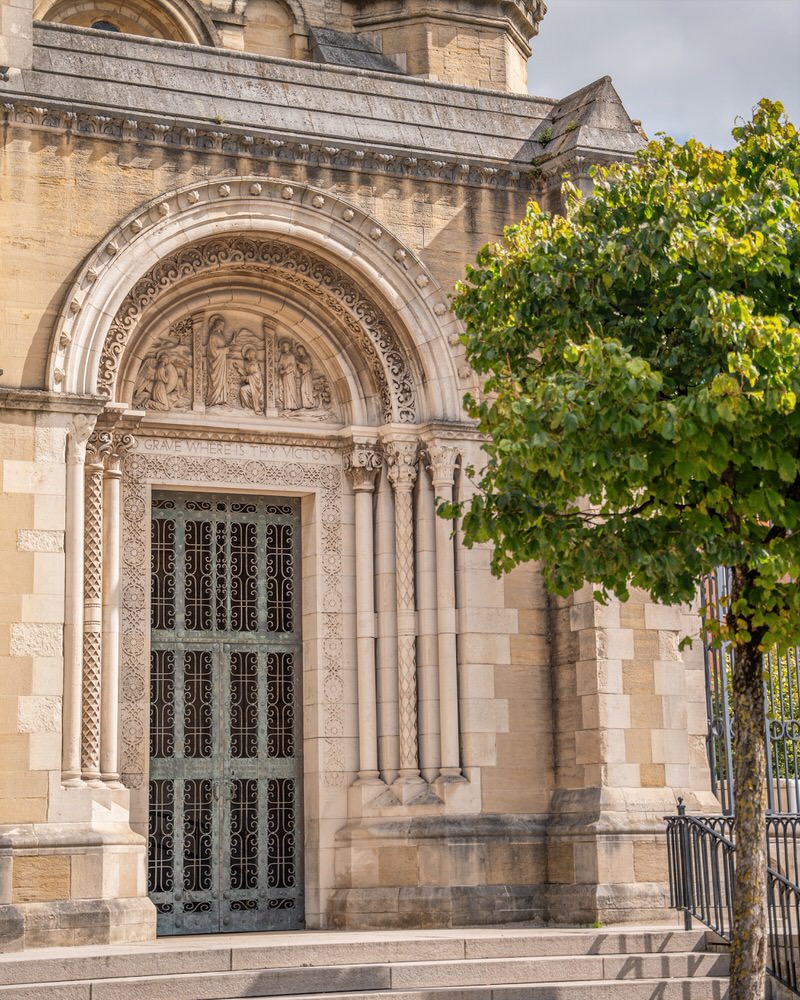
(175,20)
(268,28)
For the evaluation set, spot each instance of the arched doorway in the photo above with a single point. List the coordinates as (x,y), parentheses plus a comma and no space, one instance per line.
(271,359)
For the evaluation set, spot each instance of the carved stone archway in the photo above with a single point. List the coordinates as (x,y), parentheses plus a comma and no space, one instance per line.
(293,228)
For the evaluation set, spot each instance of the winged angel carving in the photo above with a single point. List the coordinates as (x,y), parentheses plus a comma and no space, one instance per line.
(231,367)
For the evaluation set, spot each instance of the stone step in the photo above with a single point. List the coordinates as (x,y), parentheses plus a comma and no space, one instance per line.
(437,976)
(209,954)
(643,989)
(482,964)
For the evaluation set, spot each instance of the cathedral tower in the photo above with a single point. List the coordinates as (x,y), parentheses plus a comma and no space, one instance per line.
(473,43)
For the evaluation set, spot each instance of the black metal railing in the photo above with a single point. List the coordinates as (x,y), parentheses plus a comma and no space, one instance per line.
(701,852)
(781,705)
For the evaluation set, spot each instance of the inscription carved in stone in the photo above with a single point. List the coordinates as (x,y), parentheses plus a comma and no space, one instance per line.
(219,361)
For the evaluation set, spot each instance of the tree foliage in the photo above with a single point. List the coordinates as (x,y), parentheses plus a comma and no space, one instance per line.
(641,408)
(642,363)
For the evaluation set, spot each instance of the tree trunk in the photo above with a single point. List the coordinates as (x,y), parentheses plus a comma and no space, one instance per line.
(750,928)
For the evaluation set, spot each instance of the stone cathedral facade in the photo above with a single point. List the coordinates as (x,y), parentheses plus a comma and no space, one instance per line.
(248,679)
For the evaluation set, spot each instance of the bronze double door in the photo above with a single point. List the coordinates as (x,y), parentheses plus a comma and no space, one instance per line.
(225,841)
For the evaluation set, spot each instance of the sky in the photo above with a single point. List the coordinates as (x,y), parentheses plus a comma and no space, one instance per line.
(685,67)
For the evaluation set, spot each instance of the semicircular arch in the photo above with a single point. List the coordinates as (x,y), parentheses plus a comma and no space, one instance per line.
(294,233)
(262,306)
(173,20)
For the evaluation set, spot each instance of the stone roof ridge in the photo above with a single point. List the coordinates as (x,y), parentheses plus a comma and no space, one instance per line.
(341,48)
(593,119)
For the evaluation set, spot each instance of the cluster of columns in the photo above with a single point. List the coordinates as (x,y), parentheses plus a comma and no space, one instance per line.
(92,625)
(396,720)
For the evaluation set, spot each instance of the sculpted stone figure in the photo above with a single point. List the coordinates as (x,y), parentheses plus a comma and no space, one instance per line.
(160,382)
(217,348)
(251,391)
(288,375)
(308,396)
(165,384)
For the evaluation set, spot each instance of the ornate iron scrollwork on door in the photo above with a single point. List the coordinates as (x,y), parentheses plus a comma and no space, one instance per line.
(224,850)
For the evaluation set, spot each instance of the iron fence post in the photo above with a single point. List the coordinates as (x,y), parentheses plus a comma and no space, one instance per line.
(686,880)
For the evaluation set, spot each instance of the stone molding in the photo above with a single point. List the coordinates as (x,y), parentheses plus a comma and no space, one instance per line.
(368,325)
(96,123)
(324,230)
(142,469)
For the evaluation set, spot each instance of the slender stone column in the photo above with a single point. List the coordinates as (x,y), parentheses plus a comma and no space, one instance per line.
(109,729)
(402,458)
(442,465)
(386,593)
(361,464)
(100,444)
(82,427)
(427,641)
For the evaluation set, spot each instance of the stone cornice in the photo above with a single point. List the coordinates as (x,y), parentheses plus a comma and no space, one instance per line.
(41,400)
(254,146)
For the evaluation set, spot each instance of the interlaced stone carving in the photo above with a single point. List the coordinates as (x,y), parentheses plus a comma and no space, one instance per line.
(280,262)
(199,471)
(99,446)
(402,461)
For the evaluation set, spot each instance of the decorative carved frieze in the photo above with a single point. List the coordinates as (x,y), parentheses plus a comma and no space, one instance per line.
(263,147)
(286,468)
(218,362)
(282,363)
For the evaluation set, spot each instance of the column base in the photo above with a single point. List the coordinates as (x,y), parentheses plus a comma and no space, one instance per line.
(607,856)
(73,883)
(76,921)
(423,870)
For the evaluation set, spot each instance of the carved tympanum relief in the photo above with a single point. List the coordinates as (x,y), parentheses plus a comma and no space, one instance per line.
(219,361)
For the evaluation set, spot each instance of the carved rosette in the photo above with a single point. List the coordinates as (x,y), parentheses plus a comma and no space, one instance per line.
(402,461)
(361,463)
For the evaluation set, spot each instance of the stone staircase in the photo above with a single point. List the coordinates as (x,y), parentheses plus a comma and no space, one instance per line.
(483,964)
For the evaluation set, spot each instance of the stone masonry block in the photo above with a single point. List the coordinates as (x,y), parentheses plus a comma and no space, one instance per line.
(30,540)
(637,677)
(652,775)
(650,861)
(560,864)
(35,639)
(37,714)
(662,616)
(41,878)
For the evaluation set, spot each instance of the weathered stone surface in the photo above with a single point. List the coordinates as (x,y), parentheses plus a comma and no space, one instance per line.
(35,639)
(40,878)
(33,540)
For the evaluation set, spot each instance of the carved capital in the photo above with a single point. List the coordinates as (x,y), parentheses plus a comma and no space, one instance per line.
(98,447)
(361,463)
(442,461)
(122,443)
(80,430)
(401,458)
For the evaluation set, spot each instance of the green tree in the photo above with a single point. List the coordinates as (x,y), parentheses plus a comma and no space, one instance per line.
(641,357)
